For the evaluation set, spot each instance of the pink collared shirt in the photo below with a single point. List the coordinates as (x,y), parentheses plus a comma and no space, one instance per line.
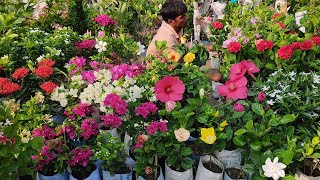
(165,33)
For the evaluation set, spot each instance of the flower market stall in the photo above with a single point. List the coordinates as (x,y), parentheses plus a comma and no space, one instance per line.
(79,99)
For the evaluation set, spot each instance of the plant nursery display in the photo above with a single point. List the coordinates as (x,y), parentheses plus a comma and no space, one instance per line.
(238,98)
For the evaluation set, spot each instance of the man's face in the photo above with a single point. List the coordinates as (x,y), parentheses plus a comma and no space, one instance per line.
(181,21)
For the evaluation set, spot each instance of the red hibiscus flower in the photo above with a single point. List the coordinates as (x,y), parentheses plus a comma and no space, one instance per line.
(306,45)
(285,52)
(316,40)
(169,88)
(48,87)
(20,73)
(217,25)
(234,47)
(8,87)
(234,89)
(43,71)
(46,62)
(276,15)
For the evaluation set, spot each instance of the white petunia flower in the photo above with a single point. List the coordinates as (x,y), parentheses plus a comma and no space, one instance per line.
(274,169)
(8,123)
(101,46)
(270,102)
(141,48)
(316,79)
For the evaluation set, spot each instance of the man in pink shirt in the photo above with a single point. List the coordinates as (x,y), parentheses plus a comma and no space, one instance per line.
(175,19)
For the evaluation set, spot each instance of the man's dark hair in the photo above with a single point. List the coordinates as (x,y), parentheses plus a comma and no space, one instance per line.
(172,9)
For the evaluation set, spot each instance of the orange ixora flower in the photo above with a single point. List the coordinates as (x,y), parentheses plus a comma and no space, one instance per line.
(173,56)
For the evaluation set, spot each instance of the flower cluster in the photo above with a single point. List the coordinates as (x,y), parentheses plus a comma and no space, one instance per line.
(45,131)
(44,69)
(157,126)
(235,36)
(235,87)
(104,20)
(145,109)
(85,44)
(8,87)
(263,45)
(114,101)
(20,73)
(217,25)
(123,70)
(286,52)
(48,87)
(89,128)
(141,139)
(80,156)
(82,109)
(111,120)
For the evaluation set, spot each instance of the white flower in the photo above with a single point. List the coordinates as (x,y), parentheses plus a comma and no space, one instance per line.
(8,123)
(265,88)
(101,46)
(40,58)
(274,169)
(182,134)
(292,73)
(271,102)
(58,53)
(316,79)
(73,92)
(141,48)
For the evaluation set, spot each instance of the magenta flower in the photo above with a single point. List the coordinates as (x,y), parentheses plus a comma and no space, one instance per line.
(157,126)
(94,64)
(169,88)
(261,96)
(78,61)
(238,107)
(89,128)
(82,109)
(80,156)
(234,89)
(146,108)
(88,76)
(104,20)
(111,120)
(114,101)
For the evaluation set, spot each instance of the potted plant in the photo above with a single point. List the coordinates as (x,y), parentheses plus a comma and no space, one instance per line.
(81,164)
(111,151)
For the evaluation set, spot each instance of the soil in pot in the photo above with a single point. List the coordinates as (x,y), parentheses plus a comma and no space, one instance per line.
(83,172)
(307,170)
(212,167)
(234,173)
(123,170)
(151,176)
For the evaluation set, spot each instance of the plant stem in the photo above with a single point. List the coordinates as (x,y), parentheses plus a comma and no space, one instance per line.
(156,164)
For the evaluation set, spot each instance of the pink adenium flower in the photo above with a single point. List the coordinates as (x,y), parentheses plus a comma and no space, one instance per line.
(261,96)
(234,89)
(238,107)
(169,88)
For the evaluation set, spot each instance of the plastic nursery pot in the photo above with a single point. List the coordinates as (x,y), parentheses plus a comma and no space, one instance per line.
(209,168)
(176,175)
(300,176)
(151,176)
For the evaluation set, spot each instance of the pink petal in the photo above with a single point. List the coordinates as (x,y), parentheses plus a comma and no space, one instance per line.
(241,82)
(175,96)
(242,93)
(222,90)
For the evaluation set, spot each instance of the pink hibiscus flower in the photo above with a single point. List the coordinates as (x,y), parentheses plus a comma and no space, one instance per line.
(234,89)
(251,67)
(169,88)
(237,71)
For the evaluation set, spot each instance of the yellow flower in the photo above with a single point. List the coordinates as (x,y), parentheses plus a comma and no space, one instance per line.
(216,114)
(183,40)
(174,56)
(208,135)
(189,57)
(224,123)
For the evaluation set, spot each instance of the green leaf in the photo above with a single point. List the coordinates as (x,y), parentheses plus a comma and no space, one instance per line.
(240,131)
(258,109)
(287,118)
(256,145)
(249,168)
(36,142)
(239,140)
(285,156)
(274,121)
(271,66)
(202,119)
(288,177)
(187,163)
(237,115)
(314,155)
(249,124)
(186,151)
(171,160)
